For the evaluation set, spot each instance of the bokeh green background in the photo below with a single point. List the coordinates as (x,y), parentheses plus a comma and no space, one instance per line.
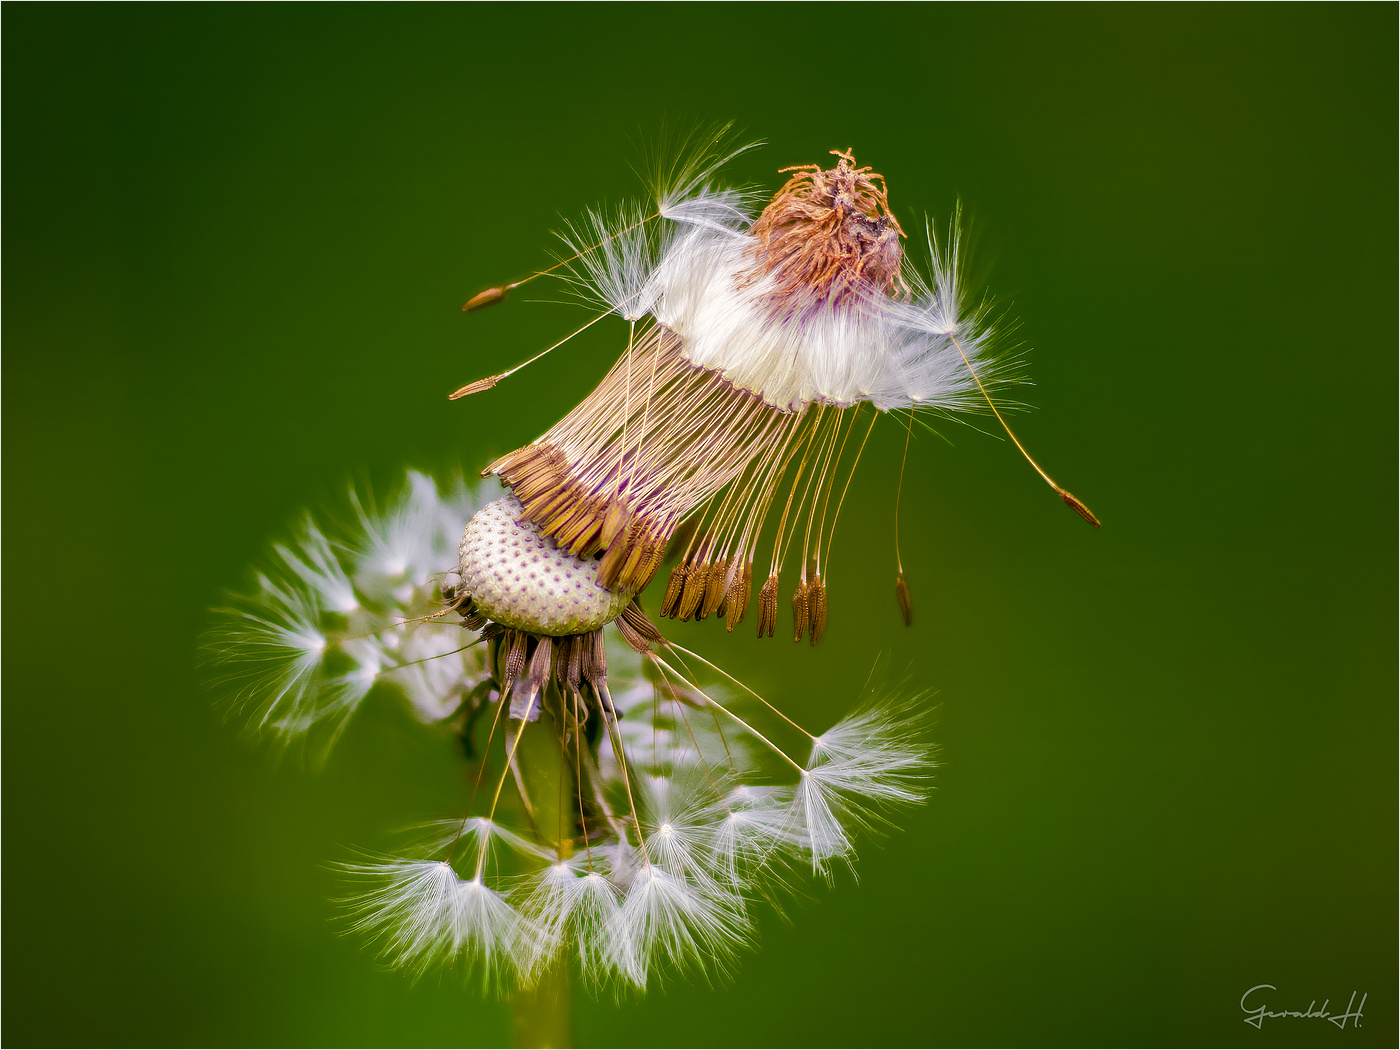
(235,244)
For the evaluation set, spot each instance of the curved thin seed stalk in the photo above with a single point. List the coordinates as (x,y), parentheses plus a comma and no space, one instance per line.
(480,774)
(818,443)
(435,656)
(826,495)
(498,292)
(759,736)
(615,739)
(741,685)
(822,491)
(490,381)
(899,493)
(1074,502)
(500,784)
(775,564)
(705,764)
(646,416)
(626,404)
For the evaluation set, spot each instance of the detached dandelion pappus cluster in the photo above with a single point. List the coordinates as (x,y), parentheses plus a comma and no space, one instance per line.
(626,818)
(754,345)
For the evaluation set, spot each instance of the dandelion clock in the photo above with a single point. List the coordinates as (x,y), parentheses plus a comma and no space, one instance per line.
(628,807)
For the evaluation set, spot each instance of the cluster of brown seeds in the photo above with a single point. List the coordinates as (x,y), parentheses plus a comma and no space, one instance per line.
(655,440)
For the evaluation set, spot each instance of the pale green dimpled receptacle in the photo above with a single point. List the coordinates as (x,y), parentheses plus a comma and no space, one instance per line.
(520,579)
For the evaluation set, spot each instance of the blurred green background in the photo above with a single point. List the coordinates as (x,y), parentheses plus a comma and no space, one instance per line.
(236,243)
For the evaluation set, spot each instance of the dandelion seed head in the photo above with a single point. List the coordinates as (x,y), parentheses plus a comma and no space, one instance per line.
(669,841)
(625,820)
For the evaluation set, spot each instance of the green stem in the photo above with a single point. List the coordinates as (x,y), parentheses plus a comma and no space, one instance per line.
(541,1015)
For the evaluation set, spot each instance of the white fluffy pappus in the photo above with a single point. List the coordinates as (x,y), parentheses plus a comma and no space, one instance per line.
(692,816)
(422,915)
(327,621)
(665,889)
(892,353)
(860,771)
(694,274)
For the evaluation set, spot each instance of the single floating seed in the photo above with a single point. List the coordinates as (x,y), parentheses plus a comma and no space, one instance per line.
(485,298)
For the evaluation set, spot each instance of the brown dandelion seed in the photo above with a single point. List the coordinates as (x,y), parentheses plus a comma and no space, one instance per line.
(1076,505)
(476,388)
(675,584)
(695,584)
(635,621)
(801,610)
(486,297)
(768,607)
(716,586)
(736,600)
(817,602)
(906,604)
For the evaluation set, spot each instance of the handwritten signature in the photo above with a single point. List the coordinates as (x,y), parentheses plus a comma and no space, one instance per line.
(1255,1014)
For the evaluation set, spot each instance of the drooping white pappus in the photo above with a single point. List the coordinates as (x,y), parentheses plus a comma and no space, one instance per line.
(627,824)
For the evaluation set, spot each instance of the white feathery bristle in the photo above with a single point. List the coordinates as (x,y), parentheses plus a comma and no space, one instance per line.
(408,542)
(875,753)
(666,919)
(320,712)
(616,259)
(422,914)
(277,663)
(871,760)
(722,211)
(331,620)
(467,840)
(569,905)
(683,187)
(410,905)
(433,669)
(490,932)
(935,322)
(823,814)
(678,818)
(756,832)
(876,349)
(488,836)
(285,644)
(314,562)
(616,252)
